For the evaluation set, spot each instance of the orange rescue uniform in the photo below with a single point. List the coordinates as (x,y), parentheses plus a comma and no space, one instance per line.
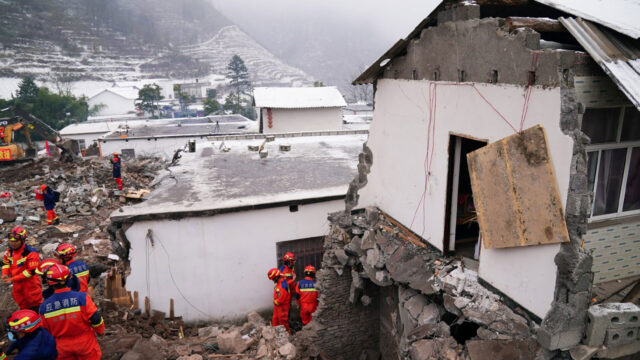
(21,266)
(73,320)
(308,301)
(281,304)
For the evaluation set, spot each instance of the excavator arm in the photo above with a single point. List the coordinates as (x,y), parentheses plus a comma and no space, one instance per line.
(30,123)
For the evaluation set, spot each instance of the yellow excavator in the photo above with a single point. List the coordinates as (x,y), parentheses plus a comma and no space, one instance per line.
(21,120)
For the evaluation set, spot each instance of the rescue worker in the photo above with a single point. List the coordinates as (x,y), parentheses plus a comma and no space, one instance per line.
(307,294)
(72,318)
(65,253)
(281,299)
(18,267)
(287,269)
(47,195)
(72,283)
(117,169)
(27,335)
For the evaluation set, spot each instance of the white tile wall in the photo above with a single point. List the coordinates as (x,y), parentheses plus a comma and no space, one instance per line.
(615,250)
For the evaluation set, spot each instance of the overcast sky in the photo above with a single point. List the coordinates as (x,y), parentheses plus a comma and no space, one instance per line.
(395,18)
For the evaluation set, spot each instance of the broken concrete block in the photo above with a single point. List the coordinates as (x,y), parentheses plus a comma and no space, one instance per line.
(439,329)
(341,256)
(231,342)
(486,334)
(255,319)
(415,305)
(182,350)
(368,241)
(618,351)
(375,258)
(583,352)
(500,349)
(604,319)
(354,247)
(433,349)
(371,214)
(449,304)
(365,300)
(382,278)
(267,332)
(158,340)
(34,218)
(48,249)
(287,350)
(262,351)
(207,332)
(430,314)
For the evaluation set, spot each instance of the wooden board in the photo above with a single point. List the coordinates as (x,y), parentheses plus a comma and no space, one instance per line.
(515,192)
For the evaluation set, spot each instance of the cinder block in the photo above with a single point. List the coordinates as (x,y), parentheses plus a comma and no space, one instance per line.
(617,337)
(604,317)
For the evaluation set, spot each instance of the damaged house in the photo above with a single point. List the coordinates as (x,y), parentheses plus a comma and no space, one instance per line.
(505,131)
(225,214)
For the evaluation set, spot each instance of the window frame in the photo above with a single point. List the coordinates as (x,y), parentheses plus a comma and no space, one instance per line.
(598,148)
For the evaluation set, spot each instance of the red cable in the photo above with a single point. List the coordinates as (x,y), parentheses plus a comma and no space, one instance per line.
(494,108)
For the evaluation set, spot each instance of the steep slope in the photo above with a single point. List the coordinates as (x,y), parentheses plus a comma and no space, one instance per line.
(67,40)
(264,68)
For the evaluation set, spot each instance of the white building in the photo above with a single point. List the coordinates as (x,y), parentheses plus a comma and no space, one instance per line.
(299,109)
(163,137)
(208,234)
(116,101)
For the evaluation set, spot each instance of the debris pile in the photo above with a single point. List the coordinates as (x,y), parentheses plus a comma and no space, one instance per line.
(437,307)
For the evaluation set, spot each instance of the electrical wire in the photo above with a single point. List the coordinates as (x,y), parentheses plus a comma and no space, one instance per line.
(174,281)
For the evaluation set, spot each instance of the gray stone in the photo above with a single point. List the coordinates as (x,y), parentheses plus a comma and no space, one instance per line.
(255,319)
(262,351)
(415,305)
(355,246)
(382,278)
(501,349)
(158,340)
(439,329)
(368,241)
(132,355)
(583,352)
(232,342)
(449,305)
(430,314)
(365,300)
(267,332)
(287,350)
(341,256)
(434,349)
(7,214)
(207,332)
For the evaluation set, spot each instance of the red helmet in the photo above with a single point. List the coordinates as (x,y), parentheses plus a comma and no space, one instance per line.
(115,154)
(310,270)
(42,187)
(45,264)
(289,257)
(65,251)
(18,234)
(273,274)
(57,274)
(24,321)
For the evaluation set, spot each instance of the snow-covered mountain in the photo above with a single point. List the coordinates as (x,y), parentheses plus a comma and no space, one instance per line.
(124,40)
(264,68)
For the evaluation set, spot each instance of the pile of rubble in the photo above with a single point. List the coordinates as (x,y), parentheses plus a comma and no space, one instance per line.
(437,307)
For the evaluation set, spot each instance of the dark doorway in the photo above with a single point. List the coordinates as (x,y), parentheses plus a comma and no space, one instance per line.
(461,223)
(307,251)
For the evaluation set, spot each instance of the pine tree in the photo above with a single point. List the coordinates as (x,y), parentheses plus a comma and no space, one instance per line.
(149,96)
(27,90)
(239,78)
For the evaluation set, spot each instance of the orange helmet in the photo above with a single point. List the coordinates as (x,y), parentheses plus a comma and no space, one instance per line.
(310,270)
(42,187)
(289,258)
(45,264)
(65,251)
(115,154)
(273,274)
(24,321)
(18,234)
(57,274)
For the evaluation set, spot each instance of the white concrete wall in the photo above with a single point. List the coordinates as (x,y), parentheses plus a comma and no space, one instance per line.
(398,140)
(219,263)
(115,104)
(164,147)
(88,138)
(297,120)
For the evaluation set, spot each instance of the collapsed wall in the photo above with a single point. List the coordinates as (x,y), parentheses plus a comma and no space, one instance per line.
(383,293)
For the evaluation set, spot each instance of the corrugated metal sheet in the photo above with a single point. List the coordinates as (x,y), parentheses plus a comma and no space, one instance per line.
(618,55)
(620,15)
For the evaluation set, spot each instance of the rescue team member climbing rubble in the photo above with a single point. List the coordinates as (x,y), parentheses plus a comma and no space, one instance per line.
(307,294)
(18,268)
(47,195)
(72,318)
(281,299)
(65,253)
(117,169)
(27,335)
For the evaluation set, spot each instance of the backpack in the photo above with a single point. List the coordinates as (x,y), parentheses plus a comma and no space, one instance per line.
(56,196)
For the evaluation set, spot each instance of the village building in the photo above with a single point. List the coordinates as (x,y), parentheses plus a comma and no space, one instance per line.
(164,136)
(298,109)
(115,101)
(227,212)
(195,89)
(504,131)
